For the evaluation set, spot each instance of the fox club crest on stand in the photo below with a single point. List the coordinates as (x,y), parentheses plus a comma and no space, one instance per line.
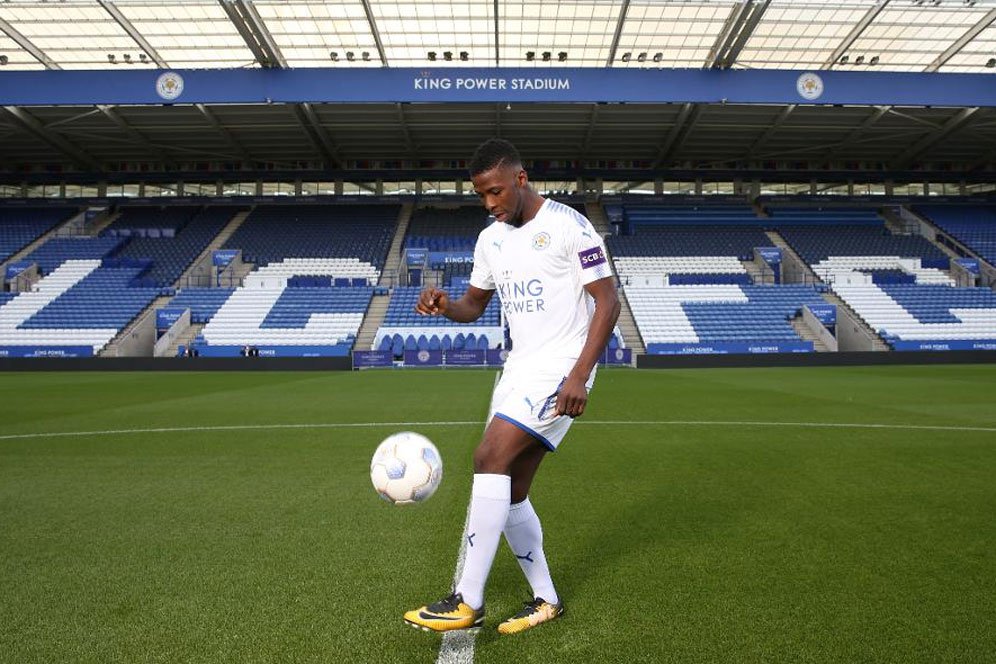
(809,86)
(169,86)
(541,241)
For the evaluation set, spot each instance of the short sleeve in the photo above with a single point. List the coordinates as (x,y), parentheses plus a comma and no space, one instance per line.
(481,275)
(587,251)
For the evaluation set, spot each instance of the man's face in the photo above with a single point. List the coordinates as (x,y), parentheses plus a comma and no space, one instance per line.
(501,192)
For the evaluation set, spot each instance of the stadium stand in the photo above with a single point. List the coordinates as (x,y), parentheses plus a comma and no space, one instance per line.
(202,302)
(324,318)
(445,229)
(79,303)
(311,288)
(670,244)
(360,232)
(19,227)
(170,237)
(972,225)
(685,281)
(918,312)
(57,250)
(671,317)
(841,241)
(452,271)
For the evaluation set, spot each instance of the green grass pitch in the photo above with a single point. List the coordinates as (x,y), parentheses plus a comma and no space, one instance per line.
(239,540)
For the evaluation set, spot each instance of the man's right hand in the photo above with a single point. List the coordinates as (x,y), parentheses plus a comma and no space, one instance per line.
(432,302)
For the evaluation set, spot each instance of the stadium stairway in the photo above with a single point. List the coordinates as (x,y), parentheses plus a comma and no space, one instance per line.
(60,230)
(808,335)
(117,346)
(100,222)
(794,269)
(627,327)
(895,224)
(596,215)
(627,323)
(914,223)
(754,272)
(930,231)
(374,316)
(184,339)
(798,271)
(876,342)
(199,272)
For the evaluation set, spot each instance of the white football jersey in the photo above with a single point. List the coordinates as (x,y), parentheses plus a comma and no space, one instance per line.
(539,272)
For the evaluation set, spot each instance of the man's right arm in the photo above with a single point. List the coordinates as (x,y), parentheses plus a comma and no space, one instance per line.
(470,307)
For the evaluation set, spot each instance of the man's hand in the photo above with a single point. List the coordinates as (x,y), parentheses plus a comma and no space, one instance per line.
(432,302)
(572,398)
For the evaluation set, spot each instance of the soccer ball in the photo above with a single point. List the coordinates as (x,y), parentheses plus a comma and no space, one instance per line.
(406,468)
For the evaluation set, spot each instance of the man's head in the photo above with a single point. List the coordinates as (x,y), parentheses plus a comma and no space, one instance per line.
(501,183)
(494,153)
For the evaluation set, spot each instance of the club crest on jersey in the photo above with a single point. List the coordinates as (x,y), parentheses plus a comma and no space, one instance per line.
(541,241)
(591,257)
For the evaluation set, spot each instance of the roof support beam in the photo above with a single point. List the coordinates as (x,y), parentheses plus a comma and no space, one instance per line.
(867,123)
(28,45)
(592,121)
(225,133)
(497,38)
(136,136)
(726,35)
(127,26)
(953,50)
(855,32)
(769,132)
(745,34)
(319,137)
(78,156)
(404,130)
(684,123)
(375,32)
(736,33)
(259,40)
(903,161)
(623,10)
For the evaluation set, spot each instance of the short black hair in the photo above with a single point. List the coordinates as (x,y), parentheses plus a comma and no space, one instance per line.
(491,154)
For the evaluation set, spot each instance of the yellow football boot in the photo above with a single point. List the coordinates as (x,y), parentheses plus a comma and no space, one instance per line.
(447,614)
(533,613)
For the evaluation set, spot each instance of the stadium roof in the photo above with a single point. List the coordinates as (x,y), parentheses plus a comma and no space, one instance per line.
(896,35)
(944,36)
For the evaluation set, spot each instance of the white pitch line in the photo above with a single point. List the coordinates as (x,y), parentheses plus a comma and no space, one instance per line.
(237,427)
(454,423)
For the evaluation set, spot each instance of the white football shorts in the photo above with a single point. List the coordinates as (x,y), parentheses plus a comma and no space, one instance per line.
(528,399)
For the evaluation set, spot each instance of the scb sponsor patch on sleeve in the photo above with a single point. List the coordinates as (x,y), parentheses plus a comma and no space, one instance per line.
(591,257)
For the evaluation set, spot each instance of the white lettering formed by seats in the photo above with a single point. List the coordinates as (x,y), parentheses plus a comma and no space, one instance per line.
(26,305)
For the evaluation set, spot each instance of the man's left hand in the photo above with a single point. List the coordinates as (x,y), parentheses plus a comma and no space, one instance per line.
(573,397)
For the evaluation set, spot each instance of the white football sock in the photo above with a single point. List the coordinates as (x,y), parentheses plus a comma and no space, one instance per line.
(525,537)
(489,500)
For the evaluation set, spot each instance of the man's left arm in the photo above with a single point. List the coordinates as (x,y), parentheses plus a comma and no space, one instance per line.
(573,396)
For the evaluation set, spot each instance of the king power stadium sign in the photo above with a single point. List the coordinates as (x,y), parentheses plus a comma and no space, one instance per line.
(490,83)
